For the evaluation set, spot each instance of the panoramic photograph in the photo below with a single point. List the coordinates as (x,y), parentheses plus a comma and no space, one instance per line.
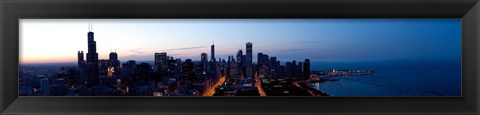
(240,57)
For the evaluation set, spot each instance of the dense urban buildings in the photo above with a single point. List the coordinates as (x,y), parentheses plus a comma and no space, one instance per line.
(166,75)
(250,57)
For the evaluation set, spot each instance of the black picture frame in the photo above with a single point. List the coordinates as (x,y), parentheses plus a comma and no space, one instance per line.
(13,10)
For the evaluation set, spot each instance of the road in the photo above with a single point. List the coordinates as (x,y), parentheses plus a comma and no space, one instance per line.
(258,84)
(211,90)
(308,90)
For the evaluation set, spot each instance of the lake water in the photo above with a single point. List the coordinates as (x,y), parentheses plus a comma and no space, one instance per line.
(394,78)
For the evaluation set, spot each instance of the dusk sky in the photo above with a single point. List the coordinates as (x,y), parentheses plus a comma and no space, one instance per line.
(58,40)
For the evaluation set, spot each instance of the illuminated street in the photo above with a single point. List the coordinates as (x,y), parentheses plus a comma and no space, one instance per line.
(313,93)
(211,90)
(258,84)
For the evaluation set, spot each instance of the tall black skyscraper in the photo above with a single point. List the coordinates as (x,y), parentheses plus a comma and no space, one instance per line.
(306,68)
(213,64)
(92,60)
(212,48)
(249,65)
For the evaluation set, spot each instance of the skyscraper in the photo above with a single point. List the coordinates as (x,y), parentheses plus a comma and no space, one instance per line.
(161,61)
(113,56)
(81,61)
(262,59)
(45,86)
(259,58)
(212,48)
(240,65)
(81,66)
(129,67)
(306,68)
(157,62)
(92,61)
(188,71)
(299,70)
(204,58)
(103,65)
(249,65)
(273,67)
(213,64)
(239,56)
(115,63)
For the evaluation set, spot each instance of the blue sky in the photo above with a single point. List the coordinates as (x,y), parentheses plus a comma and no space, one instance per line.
(58,40)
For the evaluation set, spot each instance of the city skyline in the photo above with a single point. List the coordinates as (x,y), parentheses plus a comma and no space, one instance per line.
(140,39)
(257,69)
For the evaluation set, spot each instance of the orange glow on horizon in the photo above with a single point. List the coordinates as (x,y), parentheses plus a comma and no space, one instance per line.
(46,60)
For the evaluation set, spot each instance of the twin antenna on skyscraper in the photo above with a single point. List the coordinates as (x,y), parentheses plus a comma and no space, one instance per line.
(90,27)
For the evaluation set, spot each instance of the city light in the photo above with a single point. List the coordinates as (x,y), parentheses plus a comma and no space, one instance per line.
(259,67)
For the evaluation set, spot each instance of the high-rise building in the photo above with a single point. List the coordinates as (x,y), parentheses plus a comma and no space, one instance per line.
(262,65)
(188,71)
(82,66)
(233,69)
(306,68)
(262,59)
(45,86)
(157,62)
(113,56)
(249,65)
(294,68)
(114,62)
(273,67)
(212,52)
(129,67)
(103,65)
(143,70)
(299,70)
(160,58)
(204,58)
(239,56)
(178,65)
(161,61)
(240,65)
(172,70)
(92,61)
(289,69)
(81,61)
(213,62)
(259,58)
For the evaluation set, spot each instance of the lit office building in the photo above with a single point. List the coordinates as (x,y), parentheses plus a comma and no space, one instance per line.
(114,62)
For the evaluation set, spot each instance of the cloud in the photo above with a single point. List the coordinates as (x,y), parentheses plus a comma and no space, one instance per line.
(308,42)
(137,51)
(292,50)
(137,57)
(187,48)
